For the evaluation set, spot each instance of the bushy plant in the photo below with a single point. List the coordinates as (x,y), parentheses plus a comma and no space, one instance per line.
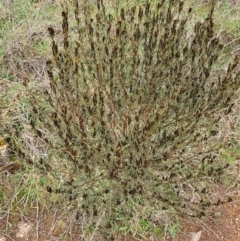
(133,106)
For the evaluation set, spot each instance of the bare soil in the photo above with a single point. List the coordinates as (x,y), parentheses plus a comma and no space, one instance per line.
(223,224)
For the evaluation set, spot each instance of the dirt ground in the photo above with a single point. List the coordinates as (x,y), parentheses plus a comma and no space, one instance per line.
(223,224)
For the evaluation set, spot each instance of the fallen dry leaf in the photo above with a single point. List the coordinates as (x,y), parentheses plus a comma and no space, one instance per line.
(3,146)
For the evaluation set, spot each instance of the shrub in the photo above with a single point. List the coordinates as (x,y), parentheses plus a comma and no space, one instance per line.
(133,107)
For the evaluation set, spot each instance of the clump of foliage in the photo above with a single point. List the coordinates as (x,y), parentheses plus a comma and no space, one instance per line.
(133,107)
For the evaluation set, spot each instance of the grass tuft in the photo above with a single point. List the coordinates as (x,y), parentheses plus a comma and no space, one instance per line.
(124,131)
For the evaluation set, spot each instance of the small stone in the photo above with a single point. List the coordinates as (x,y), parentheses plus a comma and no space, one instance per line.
(23,230)
(196,236)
